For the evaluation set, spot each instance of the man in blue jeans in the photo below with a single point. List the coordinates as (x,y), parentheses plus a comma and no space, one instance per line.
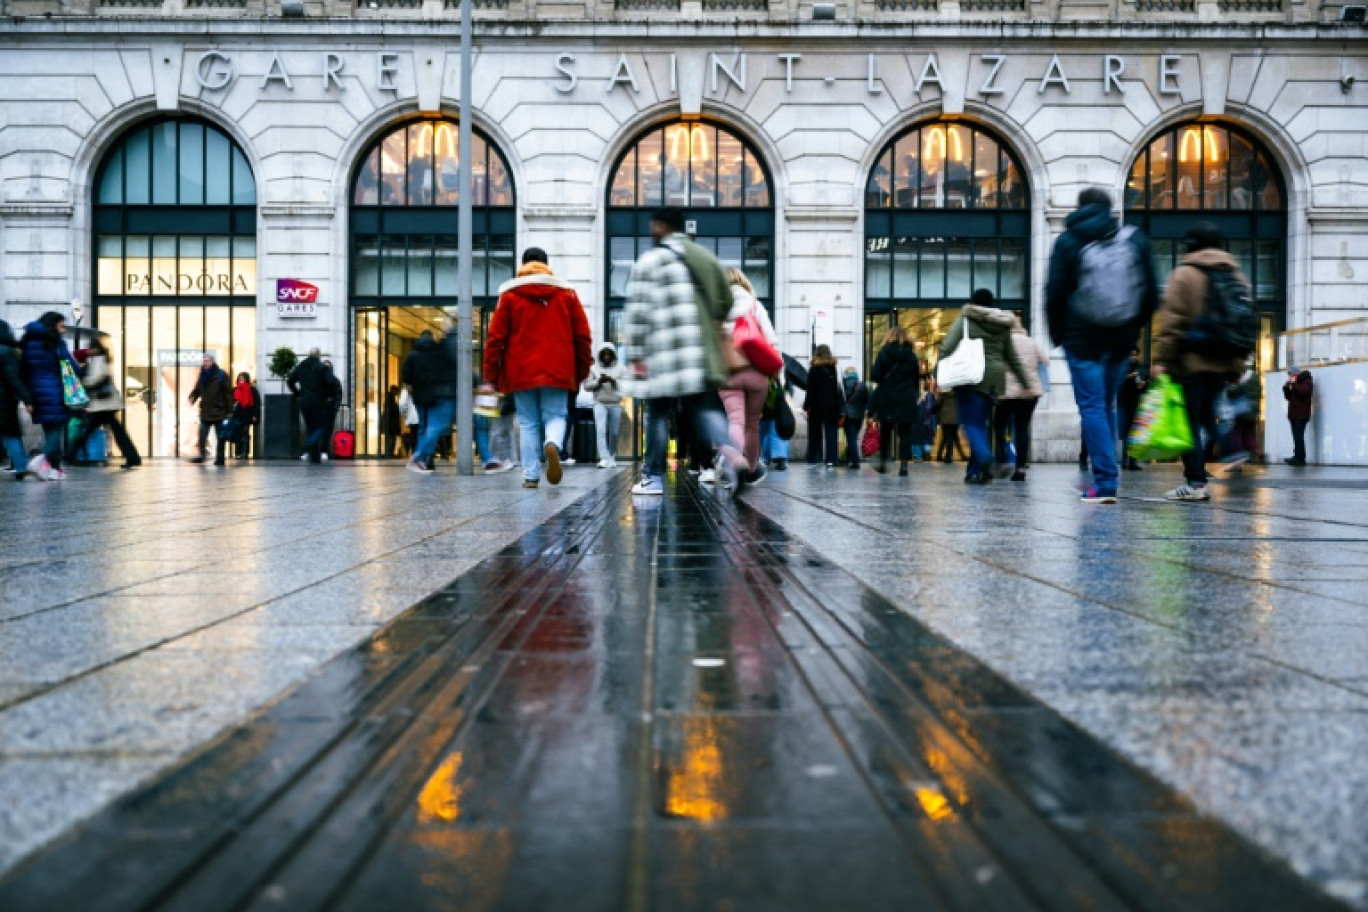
(538,350)
(1100,292)
(429,371)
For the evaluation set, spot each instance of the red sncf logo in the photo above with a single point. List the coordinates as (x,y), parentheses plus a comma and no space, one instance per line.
(293,291)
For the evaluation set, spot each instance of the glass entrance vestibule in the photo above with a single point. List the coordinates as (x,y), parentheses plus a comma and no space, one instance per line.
(947,211)
(175,272)
(404,250)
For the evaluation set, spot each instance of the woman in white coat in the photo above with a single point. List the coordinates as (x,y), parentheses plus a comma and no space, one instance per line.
(605,384)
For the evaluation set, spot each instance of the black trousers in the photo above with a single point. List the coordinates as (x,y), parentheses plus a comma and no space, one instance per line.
(1200,392)
(904,431)
(823,436)
(1298,438)
(204,428)
(950,443)
(1013,416)
(852,436)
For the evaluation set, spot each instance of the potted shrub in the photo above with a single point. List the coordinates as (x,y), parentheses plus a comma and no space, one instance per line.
(280,419)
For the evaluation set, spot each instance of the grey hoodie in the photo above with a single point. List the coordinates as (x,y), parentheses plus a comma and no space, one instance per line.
(609,393)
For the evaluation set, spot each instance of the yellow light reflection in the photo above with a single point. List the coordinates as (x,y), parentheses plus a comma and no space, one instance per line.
(934,804)
(440,799)
(695,788)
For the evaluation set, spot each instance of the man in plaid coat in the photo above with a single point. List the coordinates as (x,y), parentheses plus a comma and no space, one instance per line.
(672,347)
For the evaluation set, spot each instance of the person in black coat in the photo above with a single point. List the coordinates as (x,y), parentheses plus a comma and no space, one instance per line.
(334,405)
(898,373)
(14,393)
(44,352)
(310,385)
(823,407)
(393,420)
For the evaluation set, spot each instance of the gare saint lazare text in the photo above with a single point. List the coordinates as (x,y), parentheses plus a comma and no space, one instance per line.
(216,70)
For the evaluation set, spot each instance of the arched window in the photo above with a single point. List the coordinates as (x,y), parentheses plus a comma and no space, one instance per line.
(404,250)
(720,182)
(1218,173)
(947,211)
(175,270)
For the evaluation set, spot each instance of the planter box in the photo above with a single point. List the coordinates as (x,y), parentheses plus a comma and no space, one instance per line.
(280,437)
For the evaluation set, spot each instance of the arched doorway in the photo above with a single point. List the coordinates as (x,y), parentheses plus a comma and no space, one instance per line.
(720,182)
(404,247)
(175,271)
(1219,173)
(947,210)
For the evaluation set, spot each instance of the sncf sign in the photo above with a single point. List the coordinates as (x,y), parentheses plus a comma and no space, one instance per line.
(293,291)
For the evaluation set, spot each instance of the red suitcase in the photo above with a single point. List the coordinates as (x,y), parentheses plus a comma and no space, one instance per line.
(344,445)
(344,441)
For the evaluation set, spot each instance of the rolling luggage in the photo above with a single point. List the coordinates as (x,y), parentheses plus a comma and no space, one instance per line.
(344,441)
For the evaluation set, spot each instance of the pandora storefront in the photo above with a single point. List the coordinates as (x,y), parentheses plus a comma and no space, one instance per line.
(189,184)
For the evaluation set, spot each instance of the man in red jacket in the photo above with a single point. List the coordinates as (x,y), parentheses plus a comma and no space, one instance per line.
(537,349)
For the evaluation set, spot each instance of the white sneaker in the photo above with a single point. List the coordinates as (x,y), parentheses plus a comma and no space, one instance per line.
(1189,492)
(649,485)
(303,457)
(324,456)
(604,464)
(568,461)
(497,467)
(38,467)
(708,476)
(55,475)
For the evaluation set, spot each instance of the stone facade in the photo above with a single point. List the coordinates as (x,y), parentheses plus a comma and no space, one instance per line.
(817,100)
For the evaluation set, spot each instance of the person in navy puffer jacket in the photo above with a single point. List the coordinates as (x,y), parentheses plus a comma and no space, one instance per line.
(44,350)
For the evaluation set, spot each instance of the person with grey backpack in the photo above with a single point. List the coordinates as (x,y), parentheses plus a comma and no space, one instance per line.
(1100,292)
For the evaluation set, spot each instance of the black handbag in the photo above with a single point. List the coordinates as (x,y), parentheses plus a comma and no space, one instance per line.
(784,423)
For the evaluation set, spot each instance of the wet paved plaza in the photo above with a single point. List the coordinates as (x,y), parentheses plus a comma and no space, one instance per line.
(353,688)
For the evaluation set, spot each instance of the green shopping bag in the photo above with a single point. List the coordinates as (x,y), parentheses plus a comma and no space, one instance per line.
(1161,429)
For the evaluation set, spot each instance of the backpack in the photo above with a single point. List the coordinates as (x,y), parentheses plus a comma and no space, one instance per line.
(1228,326)
(1111,282)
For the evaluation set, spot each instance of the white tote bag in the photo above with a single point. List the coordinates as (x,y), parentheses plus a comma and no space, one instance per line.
(965,365)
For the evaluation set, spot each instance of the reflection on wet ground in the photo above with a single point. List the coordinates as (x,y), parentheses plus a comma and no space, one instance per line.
(659,704)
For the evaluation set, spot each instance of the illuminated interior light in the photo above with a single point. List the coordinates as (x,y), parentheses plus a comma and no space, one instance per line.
(447,141)
(1213,150)
(952,148)
(1192,138)
(424,140)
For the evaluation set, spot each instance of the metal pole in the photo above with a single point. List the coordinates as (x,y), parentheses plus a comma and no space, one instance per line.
(465,420)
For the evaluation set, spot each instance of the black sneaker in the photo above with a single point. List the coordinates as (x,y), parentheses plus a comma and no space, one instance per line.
(759,475)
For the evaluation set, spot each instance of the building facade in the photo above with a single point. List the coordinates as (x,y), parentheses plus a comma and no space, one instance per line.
(237,177)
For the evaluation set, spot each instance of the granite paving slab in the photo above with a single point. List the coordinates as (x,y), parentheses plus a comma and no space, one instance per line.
(660,704)
(1220,645)
(142,613)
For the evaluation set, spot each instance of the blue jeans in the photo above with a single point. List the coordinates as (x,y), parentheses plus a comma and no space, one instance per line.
(704,410)
(1095,384)
(772,446)
(54,443)
(434,423)
(18,458)
(482,439)
(541,420)
(974,411)
(316,425)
